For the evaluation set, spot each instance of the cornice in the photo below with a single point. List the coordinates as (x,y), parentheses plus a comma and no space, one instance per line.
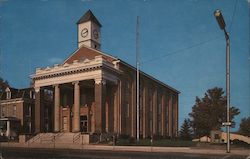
(75,68)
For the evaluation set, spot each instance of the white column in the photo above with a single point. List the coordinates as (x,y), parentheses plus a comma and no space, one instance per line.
(100,99)
(57,109)
(76,118)
(8,129)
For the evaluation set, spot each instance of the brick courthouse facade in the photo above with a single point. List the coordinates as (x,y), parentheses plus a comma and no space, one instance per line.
(94,92)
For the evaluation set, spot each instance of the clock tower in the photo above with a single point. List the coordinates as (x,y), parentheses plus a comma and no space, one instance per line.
(89,29)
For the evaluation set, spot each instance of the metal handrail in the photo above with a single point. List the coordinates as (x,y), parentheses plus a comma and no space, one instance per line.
(36,137)
(60,133)
(48,138)
(76,137)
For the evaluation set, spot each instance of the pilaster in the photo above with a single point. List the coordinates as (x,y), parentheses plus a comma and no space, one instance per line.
(163,114)
(144,104)
(170,116)
(133,110)
(116,112)
(37,110)
(155,111)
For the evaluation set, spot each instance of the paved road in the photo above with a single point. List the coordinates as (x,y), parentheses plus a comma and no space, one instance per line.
(21,153)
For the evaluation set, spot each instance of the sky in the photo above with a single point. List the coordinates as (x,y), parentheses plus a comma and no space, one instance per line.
(180,42)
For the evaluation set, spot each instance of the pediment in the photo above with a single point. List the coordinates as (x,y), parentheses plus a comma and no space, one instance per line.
(85,54)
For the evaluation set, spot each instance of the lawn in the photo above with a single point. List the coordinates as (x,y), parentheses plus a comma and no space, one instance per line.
(160,143)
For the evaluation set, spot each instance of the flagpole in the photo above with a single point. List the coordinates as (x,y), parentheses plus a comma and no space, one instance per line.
(137,82)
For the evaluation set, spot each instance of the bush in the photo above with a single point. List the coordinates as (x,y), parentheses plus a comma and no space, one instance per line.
(240,143)
(3,139)
(131,140)
(157,137)
(123,136)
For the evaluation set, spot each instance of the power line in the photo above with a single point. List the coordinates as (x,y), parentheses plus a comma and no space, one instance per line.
(232,19)
(181,50)
(196,45)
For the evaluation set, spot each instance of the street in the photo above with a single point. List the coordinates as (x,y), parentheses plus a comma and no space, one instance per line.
(21,153)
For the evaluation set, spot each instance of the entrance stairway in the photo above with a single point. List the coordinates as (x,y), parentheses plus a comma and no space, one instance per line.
(61,137)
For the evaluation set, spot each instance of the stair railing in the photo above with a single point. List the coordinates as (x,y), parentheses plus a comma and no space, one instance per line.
(36,137)
(76,137)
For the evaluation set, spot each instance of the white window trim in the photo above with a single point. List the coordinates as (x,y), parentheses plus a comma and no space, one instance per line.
(8,95)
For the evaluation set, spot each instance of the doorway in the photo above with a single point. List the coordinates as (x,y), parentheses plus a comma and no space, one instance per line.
(84,123)
(65,123)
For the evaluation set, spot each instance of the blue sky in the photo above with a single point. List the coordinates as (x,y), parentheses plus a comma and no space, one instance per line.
(181,43)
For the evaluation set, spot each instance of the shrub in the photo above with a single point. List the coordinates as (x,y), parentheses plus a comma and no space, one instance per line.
(240,143)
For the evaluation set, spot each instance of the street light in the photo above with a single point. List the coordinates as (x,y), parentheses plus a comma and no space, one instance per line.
(222,24)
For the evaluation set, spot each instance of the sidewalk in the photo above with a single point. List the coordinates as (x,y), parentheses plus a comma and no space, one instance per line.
(191,150)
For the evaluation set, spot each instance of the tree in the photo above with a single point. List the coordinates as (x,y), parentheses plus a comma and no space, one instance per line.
(245,126)
(186,132)
(209,112)
(3,85)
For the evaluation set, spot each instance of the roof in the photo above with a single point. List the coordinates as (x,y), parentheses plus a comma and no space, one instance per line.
(16,93)
(89,16)
(152,78)
(85,52)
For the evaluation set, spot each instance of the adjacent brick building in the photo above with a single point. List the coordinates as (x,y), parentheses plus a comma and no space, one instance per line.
(17,105)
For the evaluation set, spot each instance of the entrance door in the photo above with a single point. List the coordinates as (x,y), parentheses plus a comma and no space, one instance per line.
(84,123)
(65,123)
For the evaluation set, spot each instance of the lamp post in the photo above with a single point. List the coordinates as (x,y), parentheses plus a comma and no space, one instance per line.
(221,22)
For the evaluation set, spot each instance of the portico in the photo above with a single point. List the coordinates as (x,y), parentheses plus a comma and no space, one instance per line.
(80,95)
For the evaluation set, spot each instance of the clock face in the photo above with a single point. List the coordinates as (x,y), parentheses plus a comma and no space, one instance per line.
(84,32)
(95,34)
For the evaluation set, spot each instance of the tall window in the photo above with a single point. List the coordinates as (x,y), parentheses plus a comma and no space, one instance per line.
(127,90)
(127,98)
(32,95)
(3,113)
(14,110)
(64,100)
(83,100)
(127,110)
(46,115)
(48,94)
(28,124)
(28,111)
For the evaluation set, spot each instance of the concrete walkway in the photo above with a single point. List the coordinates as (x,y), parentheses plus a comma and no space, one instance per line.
(191,150)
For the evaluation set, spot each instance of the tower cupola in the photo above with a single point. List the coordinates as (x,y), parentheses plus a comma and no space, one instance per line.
(89,31)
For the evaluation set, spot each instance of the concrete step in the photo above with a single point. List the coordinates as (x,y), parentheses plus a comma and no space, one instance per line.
(56,137)
(66,138)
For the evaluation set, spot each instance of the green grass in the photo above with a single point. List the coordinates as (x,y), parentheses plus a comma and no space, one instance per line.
(159,143)
(174,143)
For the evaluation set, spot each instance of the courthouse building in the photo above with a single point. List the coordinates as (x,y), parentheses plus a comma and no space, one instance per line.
(95,92)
